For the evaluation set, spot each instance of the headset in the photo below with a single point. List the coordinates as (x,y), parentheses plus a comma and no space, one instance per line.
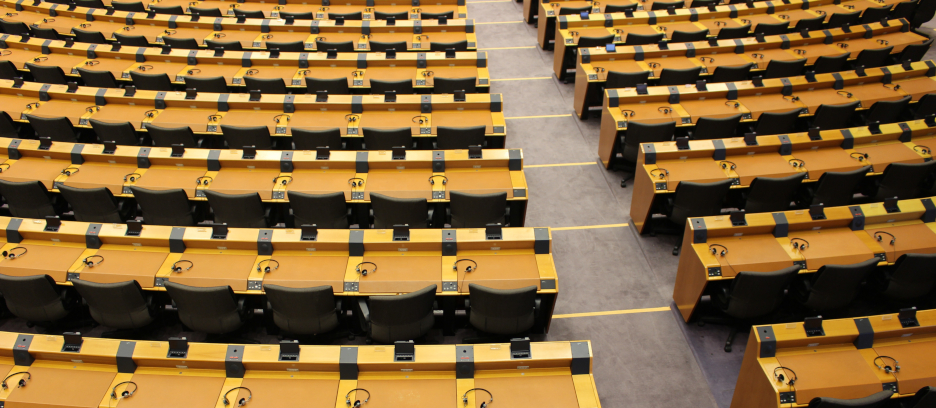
(268,262)
(68,171)
(19,384)
(756,55)
(242,401)
(662,172)
(365,36)
(84,25)
(883,42)
(357,73)
(733,104)
(797,163)
(252,71)
(892,86)
(784,16)
(599,69)
(918,148)
(860,156)
(90,263)
(799,243)
(92,63)
(822,12)
(723,252)
(125,393)
(6,52)
(203,180)
(320,39)
(150,113)
(279,117)
(879,236)
(193,71)
(792,98)
(745,21)
(573,33)
(169,32)
(432,179)
(470,268)
(4,164)
(420,37)
(790,380)
(661,29)
(40,59)
(128,28)
(29,105)
(356,183)
(427,74)
(666,110)
(220,35)
(887,369)
(628,113)
(728,165)
(483,404)
(214,118)
(351,117)
(842,45)
(363,272)
(130,178)
(286,179)
(421,119)
(267,36)
(357,403)
(11,255)
(849,6)
(93,108)
(144,67)
(48,20)
(800,51)
(178,269)
(710,59)
(653,64)
(720,23)
(845,94)
(13,14)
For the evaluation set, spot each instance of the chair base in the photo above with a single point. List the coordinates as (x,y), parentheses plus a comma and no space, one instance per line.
(736,328)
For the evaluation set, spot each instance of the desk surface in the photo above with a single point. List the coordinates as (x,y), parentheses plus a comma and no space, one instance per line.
(289,392)
(174,391)
(836,246)
(914,238)
(404,393)
(917,361)
(120,265)
(751,253)
(836,374)
(63,387)
(529,391)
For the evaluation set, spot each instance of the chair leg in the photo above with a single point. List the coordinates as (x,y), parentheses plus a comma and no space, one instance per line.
(676,249)
(731,337)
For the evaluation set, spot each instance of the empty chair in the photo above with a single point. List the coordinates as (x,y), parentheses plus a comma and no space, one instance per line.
(477,210)
(336,86)
(304,311)
(46,33)
(121,305)
(913,52)
(785,69)
(206,12)
(873,58)
(181,43)
(620,8)
(502,311)
(166,137)
(212,310)
(238,137)
(397,318)
(925,106)
(403,86)
(832,286)
(265,85)
(14,27)
(912,276)
(877,400)
(617,80)
(638,133)
(131,40)
(574,11)
(286,46)
(90,3)
(703,3)
(98,79)
(826,64)
(91,37)
(238,210)
(809,24)
(390,211)
(36,298)
(837,188)
(586,42)
(730,33)
(903,9)
(59,129)
(715,128)
(772,29)
(641,39)
(301,16)
(686,76)
(208,84)
(768,194)
(346,16)
(165,207)
(695,200)
(663,5)
(29,199)
(924,398)
(874,14)
(249,13)
(173,10)
(380,46)
(305,139)
(323,210)
(459,137)
(450,85)
(151,82)
(120,133)
(443,46)
(387,139)
(342,46)
(94,204)
(379,15)
(224,45)
(52,74)
(435,16)
(8,128)
(925,11)
(8,70)
(132,6)
(731,74)
(887,111)
(688,36)
(834,116)
(770,123)
(901,180)
(841,19)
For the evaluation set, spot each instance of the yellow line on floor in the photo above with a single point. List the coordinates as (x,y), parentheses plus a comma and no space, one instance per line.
(612,312)
(540,116)
(558,165)
(590,226)
(500,22)
(506,48)
(520,79)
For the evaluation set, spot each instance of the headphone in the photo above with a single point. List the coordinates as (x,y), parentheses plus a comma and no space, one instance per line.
(317,39)
(918,148)
(720,23)
(203,180)
(178,269)
(357,403)
(11,255)
(756,55)
(662,174)
(6,52)
(40,59)
(784,16)
(467,269)
(887,369)
(356,183)
(628,112)
(733,104)
(351,117)
(128,28)
(879,235)
(780,377)
(800,51)
(710,59)
(130,177)
(745,21)
(666,110)
(892,86)
(883,42)
(357,268)
(432,179)
(280,116)
(797,163)
(799,243)
(861,156)
(252,71)
(193,71)
(724,165)
(599,69)
(68,173)
(95,108)
(169,32)
(214,118)
(419,37)
(714,251)
(792,98)
(92,63)
(242,401)
(428,73)
(150,113)
(92,264)
(421,119)
(285,181)
(4,164)
(483,404)
(19,384)
(845,94)
(29,105)
(267,37)
(267,269)
(357,73)
(653,64)
(145,67)
(220,35)
(125,393)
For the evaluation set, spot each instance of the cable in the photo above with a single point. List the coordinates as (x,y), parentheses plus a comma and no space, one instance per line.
(11,255)
(21,383)
(879,236)
(178,269)
(357,403)
(267,269)
(92,264)
(363,272)
(467,270)
(240,402)
(483,404)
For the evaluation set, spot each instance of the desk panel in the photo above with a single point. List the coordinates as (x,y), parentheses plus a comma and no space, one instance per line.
(399,183)
(54,387)
(53,259)
(289,392)
(708,108)
(405,393)
(167,178)
(298,271)
(837,246)
(123,265)
(93,175)
(119,113)
(166,390)
(556,391)
(917,363)
(750,253)
(881,155)
(403,273)
(194,118)
(218,269)
(478,181)
(695,170)
(820,161)
(32,169)
(323,181)
(245,181)
(499,272)
(767,165)
(915,239)
(835,374)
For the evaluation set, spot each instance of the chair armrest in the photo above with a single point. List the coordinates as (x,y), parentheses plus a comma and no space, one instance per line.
(537,309)
(363,313)
(240,305)
(338,308)
(430,214)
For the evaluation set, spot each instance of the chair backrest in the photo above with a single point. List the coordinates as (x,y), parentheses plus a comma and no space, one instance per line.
(478,210)
(8,70)
(207,84)
(620,8)
(835,286)
(731,33)
(92,204)
(207,11)
(837,188)
(209,310)
(340,46)
(499,311)
(166,137)
(914,52)
(387,139)
(877,400)
(841,19)
(768,194)
(688,36)
(225,45)
(164,207)
(459,137)
(642,39)
(380,15)
(925,106)
(924,12)
(585,42)
(450,85)
(265,85)
(34,298)
(903,180)
(834,116)
(98,79)
(46,33)
(638,133)
(443,46)
(772,29)
(133,6)
(121,305)
(888,111)
(52,74)
(323,210)
(380,46)
(670,76)
(873,58)
(702,3)
(151,82)
(663,5)
(304,16)
(874,14)
(756,294)
(98,4)
(122,133)
(249,13)
(785,69)
(181,43)
(286,46)
(131,40)
(27,199)
(402,317)
(826,64)
(59,129)
(237,210)
(347,16)
(770,123)
(732,74)
(617,80)
(306,139)
(334,86)
(924,398)
(8,128)
(574,11)
(14,27)
(390,211)
(435,16)
(238,137)
(903,9)
(716,128)
(913,275)
(173,10)
(698,200)
(303,311)
(403,86)
(809,24)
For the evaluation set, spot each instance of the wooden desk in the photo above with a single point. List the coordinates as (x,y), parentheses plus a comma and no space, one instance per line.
(159,388)
(917,357)
(289,390)
(62,384)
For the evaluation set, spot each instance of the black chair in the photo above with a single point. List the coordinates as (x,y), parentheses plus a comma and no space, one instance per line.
(165,207)
(832,287)
(749,296)
(323,210)
(770,123)
(826,64)
(122,133)
(900,180)
(29,199)
(641,39)
(731,33)
(213,310)
(91,37)
(784,69)
(343,46)
(286,46)
(772,29)
(638,133)
(620,8)
(477,210)
(398,318)
(903,9)
(703,3)
(181,43)
(304,311)
(874,14)
(166,137)
(574,11)
(841,19)
(878,400)
(238,210)
(14,27)
(715,128)
(173,10)
(95,204)
(379,15)
(59,129)
(450,85)
(46,33)
(265,85)
(304,139)
(913,52)
(131,6)
(249,13)
(224,45)
(301,16)
(8,128)
(390,211)
(768,194)
(206,12)
(98,4)
(506,312)
(121,305)
(836,189)
(443,46)
(238,137)
(688,36)
(346,16)
(378,46)
(694,200)
(587,42)
(460,137)
(873,58)
(334,86)
(207,84)
(435,16)
(912,276)
(924,398)
(731,74)
(8,70)
(52,74)
(663,5)
(834,116)
(925,106)
(925,11)
(403,86)
(36,298)
(809,24)
(887,111)
(98,79)
(670,76)
(151,82)
(617,80)
(387,139)
(131,40)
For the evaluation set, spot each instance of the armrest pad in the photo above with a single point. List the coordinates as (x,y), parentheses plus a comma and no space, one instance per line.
(537,309)
(363,313)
